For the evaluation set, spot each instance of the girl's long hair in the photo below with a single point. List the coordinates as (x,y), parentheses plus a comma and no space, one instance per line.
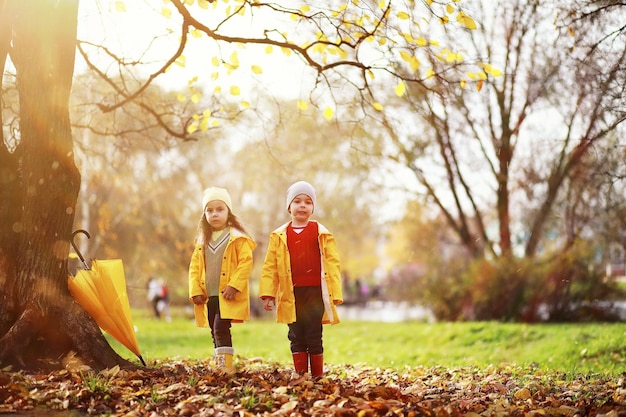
(205,230)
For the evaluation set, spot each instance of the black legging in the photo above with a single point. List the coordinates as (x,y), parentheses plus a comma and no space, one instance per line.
(305,334)
(220,328)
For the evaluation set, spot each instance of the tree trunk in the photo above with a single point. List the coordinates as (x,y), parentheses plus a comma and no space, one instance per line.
(40,323)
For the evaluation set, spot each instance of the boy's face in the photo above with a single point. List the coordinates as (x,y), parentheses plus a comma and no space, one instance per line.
(301,208)
(216,213)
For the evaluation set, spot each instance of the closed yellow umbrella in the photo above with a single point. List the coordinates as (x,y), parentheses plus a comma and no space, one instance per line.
(101,291)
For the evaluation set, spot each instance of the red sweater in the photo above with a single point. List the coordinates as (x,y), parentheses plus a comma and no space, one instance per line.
(304,252)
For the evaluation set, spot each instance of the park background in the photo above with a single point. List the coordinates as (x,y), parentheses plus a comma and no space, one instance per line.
(491,195)
(468,158)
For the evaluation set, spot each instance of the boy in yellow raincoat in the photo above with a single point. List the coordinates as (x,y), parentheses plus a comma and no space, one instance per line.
(301,276)
(219,272)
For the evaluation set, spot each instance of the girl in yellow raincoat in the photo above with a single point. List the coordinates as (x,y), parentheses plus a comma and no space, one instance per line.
(219,272)
(301,276)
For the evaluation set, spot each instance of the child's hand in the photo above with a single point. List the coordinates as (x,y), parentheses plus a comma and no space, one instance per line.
(268,303)
(229,293)
(198,299)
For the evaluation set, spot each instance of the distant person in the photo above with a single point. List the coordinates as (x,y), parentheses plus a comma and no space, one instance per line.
(154,296)
(219,272)
(163,303)
(301,276)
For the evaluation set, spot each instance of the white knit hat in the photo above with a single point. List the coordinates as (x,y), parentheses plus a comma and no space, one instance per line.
(300,187)
(216,193)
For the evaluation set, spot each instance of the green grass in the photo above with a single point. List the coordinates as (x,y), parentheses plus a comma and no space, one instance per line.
(570,348)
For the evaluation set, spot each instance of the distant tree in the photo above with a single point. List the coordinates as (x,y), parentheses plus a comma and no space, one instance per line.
(514,163)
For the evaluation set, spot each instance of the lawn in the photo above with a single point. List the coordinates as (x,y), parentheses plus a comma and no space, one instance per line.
(372,368)
(570,348)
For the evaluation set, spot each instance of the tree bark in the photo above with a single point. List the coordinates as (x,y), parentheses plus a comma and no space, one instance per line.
(40,323)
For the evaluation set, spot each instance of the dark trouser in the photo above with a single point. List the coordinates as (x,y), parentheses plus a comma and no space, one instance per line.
(305,334)
(220,328)
(155,303)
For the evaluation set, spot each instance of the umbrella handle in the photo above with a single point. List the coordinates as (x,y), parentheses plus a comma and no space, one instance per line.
(80,255)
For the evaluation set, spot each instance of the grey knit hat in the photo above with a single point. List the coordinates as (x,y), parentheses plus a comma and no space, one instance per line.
(300,187)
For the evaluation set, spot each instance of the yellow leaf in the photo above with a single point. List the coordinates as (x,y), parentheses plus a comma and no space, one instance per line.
(421,41)
(234,90)
(215,61)
(377,106)
(181,60)
(234,59)
(286,51)
(408,37)
(489,69)
(196,33)
(294,16)
(245,104)
(257,70)
(120,6)
(189,2)
(463,83)
(181,97)
(303,105)
(405,56)
(269,49)
(166,12)
(305,8)
(204,124)
(195,98)
(430,73)
(329,113)
(382,4)
(449,8)
(215,76)
(215,123)
(400,89)
(403,15)
(466,20)
(193,127)
(218,90)
(204,4)
(429,2)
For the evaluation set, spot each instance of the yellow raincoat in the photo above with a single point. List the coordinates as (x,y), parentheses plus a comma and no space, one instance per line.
(236,267)
(276,276)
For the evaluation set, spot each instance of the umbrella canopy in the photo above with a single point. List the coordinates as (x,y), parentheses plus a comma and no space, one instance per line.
(101,291)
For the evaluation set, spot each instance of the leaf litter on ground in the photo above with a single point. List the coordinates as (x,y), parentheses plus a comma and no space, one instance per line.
(188,388)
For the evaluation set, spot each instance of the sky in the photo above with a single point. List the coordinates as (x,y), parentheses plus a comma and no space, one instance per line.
(138,30)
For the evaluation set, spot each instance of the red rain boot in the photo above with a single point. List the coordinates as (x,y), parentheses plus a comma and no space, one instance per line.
(317,364)
(301,362)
